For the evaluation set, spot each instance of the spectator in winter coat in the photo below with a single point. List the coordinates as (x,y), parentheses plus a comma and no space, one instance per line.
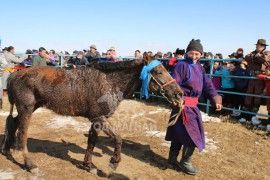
(179,54)
(216,80)
(256,61)
(93,55)
(240,85)
(266,77)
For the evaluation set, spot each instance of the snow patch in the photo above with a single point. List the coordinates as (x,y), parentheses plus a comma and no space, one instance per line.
(155,112)
(68,121)
(134,116)
(20,175)
(8,174)
(42,110)
(4,113)
(207,118)
(210,145)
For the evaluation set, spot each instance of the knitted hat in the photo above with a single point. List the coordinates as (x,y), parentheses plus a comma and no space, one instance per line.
(80,52)
(195,45)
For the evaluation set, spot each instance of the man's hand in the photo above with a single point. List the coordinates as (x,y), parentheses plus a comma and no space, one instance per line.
(261,76)
(181,104)
(218,107)
(258,55)
(267,55)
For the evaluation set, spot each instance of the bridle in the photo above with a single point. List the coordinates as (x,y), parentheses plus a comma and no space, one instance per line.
(162,92)
(146,76)
(161,87)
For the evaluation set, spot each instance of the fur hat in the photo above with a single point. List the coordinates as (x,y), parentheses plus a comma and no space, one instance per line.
(180,51)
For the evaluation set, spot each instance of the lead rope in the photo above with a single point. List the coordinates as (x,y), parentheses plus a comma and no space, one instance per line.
(176,118)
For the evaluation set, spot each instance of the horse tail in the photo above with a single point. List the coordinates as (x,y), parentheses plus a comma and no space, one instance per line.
(10,82)
(11,122)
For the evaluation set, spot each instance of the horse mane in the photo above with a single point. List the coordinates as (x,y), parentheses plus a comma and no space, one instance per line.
(120,65)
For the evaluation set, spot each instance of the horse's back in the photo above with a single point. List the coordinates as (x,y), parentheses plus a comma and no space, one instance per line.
(75,92)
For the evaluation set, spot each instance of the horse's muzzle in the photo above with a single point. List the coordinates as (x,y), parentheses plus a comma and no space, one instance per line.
(177,100)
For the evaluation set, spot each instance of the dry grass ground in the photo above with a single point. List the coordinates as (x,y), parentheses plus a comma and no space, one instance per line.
(57,146)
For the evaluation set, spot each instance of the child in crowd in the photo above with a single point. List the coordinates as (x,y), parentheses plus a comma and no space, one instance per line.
(240,86)
(216,80)
(178,54)
(227,84)
(29,60)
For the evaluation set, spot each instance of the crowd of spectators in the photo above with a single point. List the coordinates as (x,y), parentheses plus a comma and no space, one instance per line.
(254,64)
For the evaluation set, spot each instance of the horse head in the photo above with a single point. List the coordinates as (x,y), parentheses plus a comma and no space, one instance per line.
(161,81)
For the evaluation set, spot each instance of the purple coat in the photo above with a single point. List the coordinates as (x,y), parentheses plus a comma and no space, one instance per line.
(216,81)
(193,81)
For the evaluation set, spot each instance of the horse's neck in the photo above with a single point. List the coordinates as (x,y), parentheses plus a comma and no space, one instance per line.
(128,81)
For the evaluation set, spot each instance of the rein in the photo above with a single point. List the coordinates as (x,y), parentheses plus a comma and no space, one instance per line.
(162,92)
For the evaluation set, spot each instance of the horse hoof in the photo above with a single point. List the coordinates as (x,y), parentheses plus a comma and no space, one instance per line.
(93,171)
(112,168)
(88,167)
(6,153)
(34,170)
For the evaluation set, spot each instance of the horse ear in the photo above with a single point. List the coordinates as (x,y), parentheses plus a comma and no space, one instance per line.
(146,58)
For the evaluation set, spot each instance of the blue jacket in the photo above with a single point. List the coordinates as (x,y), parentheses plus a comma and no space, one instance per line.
(226,82)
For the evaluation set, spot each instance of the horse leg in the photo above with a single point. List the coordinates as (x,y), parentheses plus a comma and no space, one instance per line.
(92,138)
(24,113)
(9,137)
(111,132)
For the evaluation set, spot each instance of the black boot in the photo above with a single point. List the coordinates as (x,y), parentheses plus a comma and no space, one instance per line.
(173,154)
(1,104)
(185,162)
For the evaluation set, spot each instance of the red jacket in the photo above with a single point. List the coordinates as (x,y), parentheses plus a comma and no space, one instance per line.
(172,61)
(267,82)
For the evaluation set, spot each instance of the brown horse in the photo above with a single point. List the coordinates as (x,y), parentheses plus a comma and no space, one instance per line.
(93,92)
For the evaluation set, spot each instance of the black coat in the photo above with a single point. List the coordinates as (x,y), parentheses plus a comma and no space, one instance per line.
(240,83)
(92,57)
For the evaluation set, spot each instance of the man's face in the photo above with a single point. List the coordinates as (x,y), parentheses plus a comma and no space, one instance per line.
(180,56)
(216,65)
(92,50)
(259,47)
(196,55)
(267,72)
(42,53)
(240,52)
(12,51)
(208,57)
(137,54)
(242,66)
(231,66)
(80,56)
